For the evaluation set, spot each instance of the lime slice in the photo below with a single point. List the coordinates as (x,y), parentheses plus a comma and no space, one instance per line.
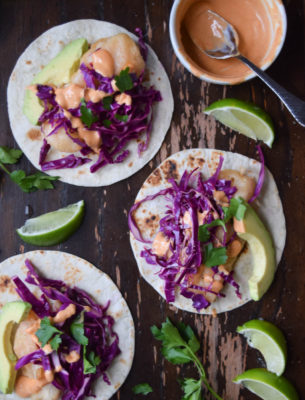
(269,340)
(54,227)
(267,385)
(246,118)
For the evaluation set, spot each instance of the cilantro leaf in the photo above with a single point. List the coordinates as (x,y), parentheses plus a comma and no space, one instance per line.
(122,118)
(176,355)
(17,176)
(90,362)
(46,331)
(77,331)
(174,348)
(107,123)
(142,388)
(215,255)
(9,156)
(192,389)
(55,342)
(237,209)
(87,116)
(203,230)
(31,183)
(189,336)
(123,81)
(107,102)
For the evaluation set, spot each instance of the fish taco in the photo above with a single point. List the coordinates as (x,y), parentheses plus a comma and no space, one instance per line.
(89,101)
(208,230)
(66,331)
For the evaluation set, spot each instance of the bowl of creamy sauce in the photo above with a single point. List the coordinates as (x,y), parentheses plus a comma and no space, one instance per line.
(261,26)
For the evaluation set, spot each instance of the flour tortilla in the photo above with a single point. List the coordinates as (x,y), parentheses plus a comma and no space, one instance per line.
(268,206)
(75,271)
(38,54)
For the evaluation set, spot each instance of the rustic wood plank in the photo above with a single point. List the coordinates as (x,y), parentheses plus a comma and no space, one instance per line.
(103,237)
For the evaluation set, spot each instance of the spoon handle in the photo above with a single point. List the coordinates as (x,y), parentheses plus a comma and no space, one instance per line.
(295,105)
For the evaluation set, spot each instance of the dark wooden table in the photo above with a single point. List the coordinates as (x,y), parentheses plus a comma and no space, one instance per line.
(103,237)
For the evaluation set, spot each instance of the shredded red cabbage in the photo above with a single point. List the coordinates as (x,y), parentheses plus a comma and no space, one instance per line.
(98,328)
(70,161)
(141,43)
(261,176)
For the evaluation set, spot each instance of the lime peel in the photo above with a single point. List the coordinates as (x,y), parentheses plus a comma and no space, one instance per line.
(54,227)
(246,118)
(267,385)
(269,340)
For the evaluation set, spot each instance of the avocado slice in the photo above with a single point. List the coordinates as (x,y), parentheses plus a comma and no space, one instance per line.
(252,229)
(12,313)
(57,72)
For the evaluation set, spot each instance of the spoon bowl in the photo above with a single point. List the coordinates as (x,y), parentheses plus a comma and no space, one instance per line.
(223,37)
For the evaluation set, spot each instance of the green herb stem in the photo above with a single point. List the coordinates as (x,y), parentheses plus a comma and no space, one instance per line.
(203,374)
(4,168)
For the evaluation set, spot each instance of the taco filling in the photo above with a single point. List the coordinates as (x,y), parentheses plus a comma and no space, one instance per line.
(105,105)
(196,245)
(65,343)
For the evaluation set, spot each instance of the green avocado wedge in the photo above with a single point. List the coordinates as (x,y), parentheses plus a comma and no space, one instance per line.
(253,231)
(57,72)
(11,314)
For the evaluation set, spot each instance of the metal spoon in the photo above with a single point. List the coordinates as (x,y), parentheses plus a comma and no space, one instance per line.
(226,46)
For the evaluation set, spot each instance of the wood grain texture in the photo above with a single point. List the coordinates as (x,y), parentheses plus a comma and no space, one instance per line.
(103,237)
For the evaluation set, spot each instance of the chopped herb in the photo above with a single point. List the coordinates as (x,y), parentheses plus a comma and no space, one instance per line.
(9,156)
(123,81)
(107,102)
(142,388)
(29,183)
(107,123)
(90,362)
(237,209)
(78,332)
(123,118)
(203,230)
(215,255)
(179,345)
(46,331)
(87,116)
(55,342)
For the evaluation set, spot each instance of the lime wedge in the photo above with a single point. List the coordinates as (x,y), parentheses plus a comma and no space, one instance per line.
(246,118)
(269,340)
(267,385)
(54,227)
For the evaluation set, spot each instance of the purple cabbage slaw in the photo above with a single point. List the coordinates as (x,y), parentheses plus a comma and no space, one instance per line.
(98,328)
(193,195)
(116,134)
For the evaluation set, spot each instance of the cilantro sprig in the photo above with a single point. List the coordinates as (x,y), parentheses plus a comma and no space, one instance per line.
(179,346)
(142,388)
(78,331)
(91,361)
(47,332)
(87,116)
(27,183)
(214,255)
(123,81)
(237,209)
(203,230)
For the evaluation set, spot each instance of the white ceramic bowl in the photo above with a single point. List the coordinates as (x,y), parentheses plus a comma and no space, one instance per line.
(189,64)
